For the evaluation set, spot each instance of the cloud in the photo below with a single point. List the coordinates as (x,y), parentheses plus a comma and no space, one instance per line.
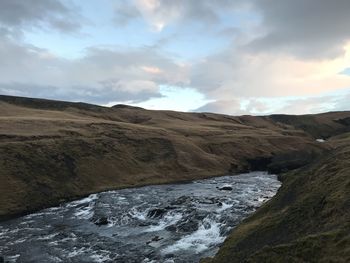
(299,50)
(161,13)
(102,94)
(16,15)
(294,51)
(272,49)
(152,70)
(223,107)
(125,13)
(100,76)
(238,82)
(232,74)
(311,29)
(308,105)
(329,102)
(266,106)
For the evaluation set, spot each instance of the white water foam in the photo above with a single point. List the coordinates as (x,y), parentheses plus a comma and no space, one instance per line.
(18,241)
(140,215)
(55,259)
(224,207)
(102,257)
(167,220)
(77,252)
(147,260)
(85,213)
(12,259)
(47,237)
(199,240)
(85,200)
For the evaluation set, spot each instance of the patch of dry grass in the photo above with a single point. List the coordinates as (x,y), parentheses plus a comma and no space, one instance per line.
(53,151)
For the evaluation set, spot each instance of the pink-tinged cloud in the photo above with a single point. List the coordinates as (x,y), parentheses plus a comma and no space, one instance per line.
(231,75)
(152,70)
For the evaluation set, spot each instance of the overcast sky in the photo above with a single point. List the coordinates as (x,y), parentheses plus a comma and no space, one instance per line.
(224,56)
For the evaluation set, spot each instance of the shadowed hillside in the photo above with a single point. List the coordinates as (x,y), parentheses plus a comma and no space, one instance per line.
(54,151)
(307,221)
(320,126)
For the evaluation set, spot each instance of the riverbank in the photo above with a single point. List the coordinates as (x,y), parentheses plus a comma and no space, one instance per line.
(56,151)
(52,152)
(159,223)
(308,219)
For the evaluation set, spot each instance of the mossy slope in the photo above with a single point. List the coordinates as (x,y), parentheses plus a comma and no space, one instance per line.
(307,221)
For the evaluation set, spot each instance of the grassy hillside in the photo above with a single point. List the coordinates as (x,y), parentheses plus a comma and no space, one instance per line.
(319,126)
(53,151)
(307,221)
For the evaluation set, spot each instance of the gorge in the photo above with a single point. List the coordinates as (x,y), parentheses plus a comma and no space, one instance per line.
(53,152)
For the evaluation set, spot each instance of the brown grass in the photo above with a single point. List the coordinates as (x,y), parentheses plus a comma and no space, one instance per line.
(307,221)
(54,151)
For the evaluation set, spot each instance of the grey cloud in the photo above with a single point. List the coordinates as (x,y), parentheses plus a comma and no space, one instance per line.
(256,106)
(260,61)
(309,105)
(19,14)
(313,29)
(204,11)
(215,71)
(292,106)
(101,76)
(307,29)
(125,13)
(276,64)
(231,74)
(310,29)
(99,95)
(236,107)
(132,64)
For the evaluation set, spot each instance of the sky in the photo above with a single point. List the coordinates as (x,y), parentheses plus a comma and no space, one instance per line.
(232,57)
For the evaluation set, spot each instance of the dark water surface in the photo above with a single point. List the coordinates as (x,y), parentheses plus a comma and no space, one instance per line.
(164,223)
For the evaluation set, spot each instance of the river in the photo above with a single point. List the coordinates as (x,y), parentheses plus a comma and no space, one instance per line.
(158,223)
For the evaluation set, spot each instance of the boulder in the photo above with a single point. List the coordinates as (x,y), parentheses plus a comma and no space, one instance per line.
(188,226)
(156,213)
(226,188)
(101,221)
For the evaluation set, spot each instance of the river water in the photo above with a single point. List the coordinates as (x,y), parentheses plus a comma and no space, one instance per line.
(162,223)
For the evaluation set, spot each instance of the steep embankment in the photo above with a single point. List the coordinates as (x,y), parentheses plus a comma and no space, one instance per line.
(307,221)
(53,151)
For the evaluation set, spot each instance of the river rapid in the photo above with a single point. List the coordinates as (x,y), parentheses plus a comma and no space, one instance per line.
(159,223)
